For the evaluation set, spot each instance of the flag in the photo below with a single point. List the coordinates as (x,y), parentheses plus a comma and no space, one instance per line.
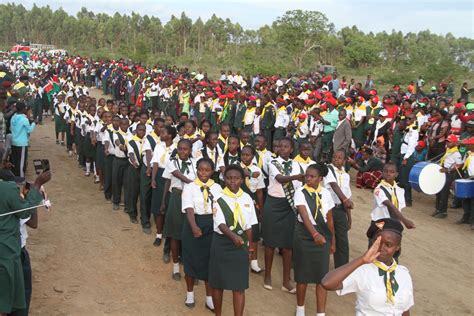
(51,88)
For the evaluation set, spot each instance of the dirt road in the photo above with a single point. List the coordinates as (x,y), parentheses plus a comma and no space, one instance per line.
(88,260)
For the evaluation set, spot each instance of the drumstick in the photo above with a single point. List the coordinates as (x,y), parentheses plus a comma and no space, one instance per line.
(46,204)
(434,158)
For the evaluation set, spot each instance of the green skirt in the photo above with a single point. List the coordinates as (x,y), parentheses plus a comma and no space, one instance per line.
(99,156)
(278,223)
(174,219)
(310,262)
(12,287)
(89,150)
(228,265)
(196,251)
(60,124)
(157,194)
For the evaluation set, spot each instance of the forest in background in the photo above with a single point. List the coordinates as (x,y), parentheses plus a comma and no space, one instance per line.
(298,41)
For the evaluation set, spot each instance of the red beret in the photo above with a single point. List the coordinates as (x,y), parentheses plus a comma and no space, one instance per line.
(453,138)
(373,92)
(422,143)
(203,83)
(361,99)
(252,98)
(222,97)
(375,99)
(331,101)
(469,141)
(6,84)
(302,116)
(230,95)
(387,101)
(349,100)
(310,101)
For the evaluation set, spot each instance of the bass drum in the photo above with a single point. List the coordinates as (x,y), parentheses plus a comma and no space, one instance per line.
(427,177)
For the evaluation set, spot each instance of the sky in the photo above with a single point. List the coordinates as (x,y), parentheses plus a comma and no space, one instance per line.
(438,16)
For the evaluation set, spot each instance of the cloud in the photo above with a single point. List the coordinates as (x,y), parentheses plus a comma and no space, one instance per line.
(438,16)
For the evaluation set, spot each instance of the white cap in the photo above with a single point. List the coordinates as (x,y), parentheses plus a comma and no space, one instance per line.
(383,112)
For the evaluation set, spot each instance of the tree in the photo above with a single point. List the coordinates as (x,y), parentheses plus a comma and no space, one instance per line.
(298,32)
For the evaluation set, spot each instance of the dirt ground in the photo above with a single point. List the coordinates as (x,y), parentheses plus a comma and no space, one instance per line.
(88,260)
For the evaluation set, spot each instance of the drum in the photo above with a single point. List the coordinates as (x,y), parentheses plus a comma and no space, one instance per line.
(426,177)
(464,188)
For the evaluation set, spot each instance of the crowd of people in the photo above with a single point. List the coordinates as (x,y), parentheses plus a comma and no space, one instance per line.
(219,169)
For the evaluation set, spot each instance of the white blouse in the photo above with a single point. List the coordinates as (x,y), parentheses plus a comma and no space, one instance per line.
(275,189)
(247,207)
(175,164)
(343,179)
(327,204)
(193,197)
(369,288)
(380,210)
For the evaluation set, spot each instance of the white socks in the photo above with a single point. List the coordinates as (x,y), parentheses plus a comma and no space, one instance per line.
(159,236)
(176,268)
(189,297)
(254,265)
(320,314)
(299,310)
(88,167)
(209,302)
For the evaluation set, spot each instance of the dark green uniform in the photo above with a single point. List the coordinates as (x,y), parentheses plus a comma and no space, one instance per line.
(12,291)
(267,124)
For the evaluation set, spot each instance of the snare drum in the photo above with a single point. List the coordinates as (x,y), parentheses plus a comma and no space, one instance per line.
(464,188)
(426,177)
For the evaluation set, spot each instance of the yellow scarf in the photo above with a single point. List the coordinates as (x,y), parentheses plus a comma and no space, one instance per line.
(124,134)
(193,136)
(265,109)
(448,152)
(318,199)
(468,160)
(237,210)
(388,281)
(205,187)
(247,179)
(155,137)
(249,111)
(163,156)
(140,142)
(221,138)
(261,153)
(302,160)
(392,192)
(340,173)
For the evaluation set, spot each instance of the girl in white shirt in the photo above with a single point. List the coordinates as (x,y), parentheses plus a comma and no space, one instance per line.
(381,285)
(278,220)
(314,237)
(234,215)
(179,171)
(198,200)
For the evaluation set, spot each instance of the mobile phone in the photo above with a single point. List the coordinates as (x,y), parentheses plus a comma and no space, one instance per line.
(41,165)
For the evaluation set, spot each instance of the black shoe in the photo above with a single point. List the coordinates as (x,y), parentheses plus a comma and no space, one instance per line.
(166,257)
(462,221)
(454,206)
(176,276)
(441,215)
(133,220)
(147,230)
(435,213)
(409,203)
(190,305)
(115,207)
(157,242)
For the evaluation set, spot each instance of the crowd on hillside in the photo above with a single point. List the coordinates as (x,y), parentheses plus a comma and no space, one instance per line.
(215,166)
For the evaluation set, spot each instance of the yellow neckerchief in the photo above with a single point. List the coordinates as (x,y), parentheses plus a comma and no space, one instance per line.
(205,187)
(193,136)
(248,112)
(155,137)
(149,122)
(410,126)
(124,134)
(139,142)
(300,159)
(19,85)
(221,138)
(106,108)
(163,156)
(349,107)
(281,109)
(261,153)
(201,133)
(393,193)
(110,127)
(265,108)
(294,115)
(448,152)
(388,282)
(361,107)
(237,210)
(247,179)
(318,199)
(340,173)
(242,145)
(90,117)
(468,160)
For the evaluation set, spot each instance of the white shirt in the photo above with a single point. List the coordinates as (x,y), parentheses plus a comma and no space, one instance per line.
(327,204)
(470,167)
(303,165)
(147,146)
(359,112)
(247,207)
(161,154)
(23,231)
(214,154)
(380,210)
(275,189)
(117,152)
(282,119)
(174,165)
(452,159)
(255,183)
(193,197)
(410,140)
(369,288)
(315,126)
(343,180)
